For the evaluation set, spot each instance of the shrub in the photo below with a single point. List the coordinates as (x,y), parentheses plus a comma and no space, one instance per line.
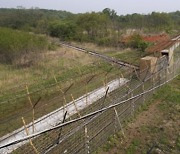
(63,30)
(17,46)
(137,42)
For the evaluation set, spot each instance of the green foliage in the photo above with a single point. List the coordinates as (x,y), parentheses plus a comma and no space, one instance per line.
(104,41)
(94,25)
(137,42)
(154,22)
(110,13)
(103,28)
(30,19)
(63,30)
(15,45)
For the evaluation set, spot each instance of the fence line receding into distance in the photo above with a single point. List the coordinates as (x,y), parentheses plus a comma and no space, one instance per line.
(83,130)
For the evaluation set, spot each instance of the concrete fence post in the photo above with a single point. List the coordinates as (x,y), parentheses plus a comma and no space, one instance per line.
(87,147)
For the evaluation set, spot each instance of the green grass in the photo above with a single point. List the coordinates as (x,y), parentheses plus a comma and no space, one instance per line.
(131,56)
(161,129)
(112,142)
(178,142)
(16,46)
(170,96)
(133,146)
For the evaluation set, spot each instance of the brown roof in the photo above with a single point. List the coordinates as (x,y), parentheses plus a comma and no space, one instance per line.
(148,38)
(161,46)
(156,38)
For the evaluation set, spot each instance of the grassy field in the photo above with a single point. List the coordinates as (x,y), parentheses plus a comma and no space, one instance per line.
(155,128)
(129,55)
(51,63)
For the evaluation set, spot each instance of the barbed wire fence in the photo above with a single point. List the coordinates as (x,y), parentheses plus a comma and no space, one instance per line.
(81,129)
(41,105)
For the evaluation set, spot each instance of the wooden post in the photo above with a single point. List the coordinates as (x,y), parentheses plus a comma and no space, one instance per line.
(87,88)
(59,135)
(33,111)
(61,92)
(30,141)
(104,84)
(132,104)
(75,106)
(143,89)
(119,122)
(64,97)
(85,128)
(106,79)
(153,83)
(86,95)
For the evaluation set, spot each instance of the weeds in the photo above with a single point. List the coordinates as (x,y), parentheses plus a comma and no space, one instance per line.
(178,142)
(133,146)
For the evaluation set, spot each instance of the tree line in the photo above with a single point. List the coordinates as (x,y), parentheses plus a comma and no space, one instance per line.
(103,28)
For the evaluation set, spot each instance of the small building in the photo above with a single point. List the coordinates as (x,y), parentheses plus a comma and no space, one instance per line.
(165,48)
(163,51)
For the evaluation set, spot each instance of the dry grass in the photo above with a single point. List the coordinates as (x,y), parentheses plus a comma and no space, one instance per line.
(129,55)
(50,63)
(101,49)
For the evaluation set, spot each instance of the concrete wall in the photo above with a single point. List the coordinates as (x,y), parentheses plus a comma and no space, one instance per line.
(147,66)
